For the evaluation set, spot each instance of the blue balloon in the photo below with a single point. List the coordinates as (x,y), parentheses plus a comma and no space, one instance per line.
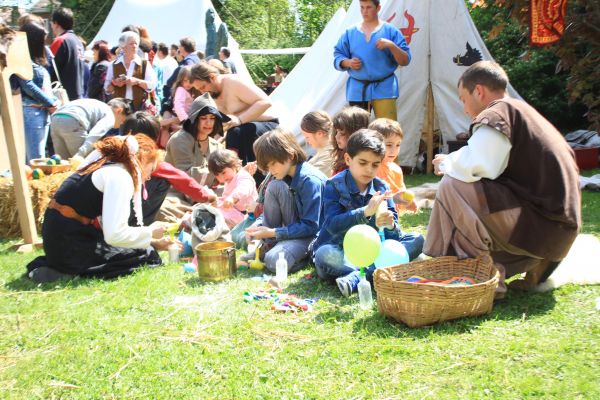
(392,253)
(186,239)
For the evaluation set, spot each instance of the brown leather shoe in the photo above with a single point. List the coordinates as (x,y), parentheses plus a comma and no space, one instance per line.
(534,276)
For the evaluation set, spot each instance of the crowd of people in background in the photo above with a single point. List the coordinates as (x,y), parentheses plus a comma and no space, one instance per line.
(223,146)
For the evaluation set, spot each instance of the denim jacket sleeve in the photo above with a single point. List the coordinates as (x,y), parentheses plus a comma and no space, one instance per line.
(339,217)
(32,90)
(309,196)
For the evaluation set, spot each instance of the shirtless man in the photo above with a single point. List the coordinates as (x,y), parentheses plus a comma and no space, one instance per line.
(246,105)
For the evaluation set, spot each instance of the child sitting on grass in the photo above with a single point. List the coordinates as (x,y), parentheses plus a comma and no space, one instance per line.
(389,171)
(292,207)
(316,126)
(345,123)
(240,188)
(352,197)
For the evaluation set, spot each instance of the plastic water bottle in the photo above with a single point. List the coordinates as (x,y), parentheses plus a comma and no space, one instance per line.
(281,268)
(173,253)
(364,292)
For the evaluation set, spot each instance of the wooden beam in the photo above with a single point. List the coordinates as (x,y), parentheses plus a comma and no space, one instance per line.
(17,62)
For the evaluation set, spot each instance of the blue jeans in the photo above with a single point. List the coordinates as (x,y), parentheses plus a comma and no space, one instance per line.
(36,132)
(330,261)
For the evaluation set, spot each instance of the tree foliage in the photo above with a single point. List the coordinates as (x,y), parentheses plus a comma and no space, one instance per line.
(89,15)
(559,80)
(275,24)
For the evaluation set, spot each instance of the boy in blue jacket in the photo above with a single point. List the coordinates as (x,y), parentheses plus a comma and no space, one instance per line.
(293,200)
(352,197)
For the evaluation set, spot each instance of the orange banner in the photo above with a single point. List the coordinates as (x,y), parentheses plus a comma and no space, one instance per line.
(547,21)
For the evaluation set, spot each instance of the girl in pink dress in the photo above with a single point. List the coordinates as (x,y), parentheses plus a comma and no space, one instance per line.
(182,102)
(239,193)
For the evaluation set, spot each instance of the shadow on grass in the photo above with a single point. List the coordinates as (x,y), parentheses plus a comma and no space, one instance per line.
(517,306)
(23,283)
(194,281)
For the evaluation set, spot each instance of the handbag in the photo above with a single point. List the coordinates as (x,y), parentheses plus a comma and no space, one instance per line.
(57,88)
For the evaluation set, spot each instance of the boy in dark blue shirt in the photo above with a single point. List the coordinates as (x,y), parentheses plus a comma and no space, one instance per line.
(352,197)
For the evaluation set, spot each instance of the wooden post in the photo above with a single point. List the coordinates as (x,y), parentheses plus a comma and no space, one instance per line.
(428,128)
(17,62)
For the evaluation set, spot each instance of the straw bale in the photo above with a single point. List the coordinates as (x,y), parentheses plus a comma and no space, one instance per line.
(41,192)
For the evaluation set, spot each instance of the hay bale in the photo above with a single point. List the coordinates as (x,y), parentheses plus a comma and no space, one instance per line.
(41,192)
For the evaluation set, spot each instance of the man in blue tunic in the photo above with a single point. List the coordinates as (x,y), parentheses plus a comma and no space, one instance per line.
(370,52)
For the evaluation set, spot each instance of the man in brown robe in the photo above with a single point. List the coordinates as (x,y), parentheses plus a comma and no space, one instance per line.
(512,192)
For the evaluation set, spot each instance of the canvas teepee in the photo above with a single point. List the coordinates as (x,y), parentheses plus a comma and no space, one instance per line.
(443,41)
(167,21)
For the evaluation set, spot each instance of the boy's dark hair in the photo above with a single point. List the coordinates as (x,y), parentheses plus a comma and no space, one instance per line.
(63,17)
(174,47)
(188,44)
(376,2)
(278,145)
(387,128)
(162,47)
(141,122)
(225,52)
(486,73)
(365,140)
(220,159)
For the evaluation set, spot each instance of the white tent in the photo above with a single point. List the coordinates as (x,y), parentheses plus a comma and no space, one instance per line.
(440,34)
(167,21)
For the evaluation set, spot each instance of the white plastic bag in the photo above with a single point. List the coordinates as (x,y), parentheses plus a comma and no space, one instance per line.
(206,228)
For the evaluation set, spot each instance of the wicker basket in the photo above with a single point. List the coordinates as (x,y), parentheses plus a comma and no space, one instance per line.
(41,163)
(419,304)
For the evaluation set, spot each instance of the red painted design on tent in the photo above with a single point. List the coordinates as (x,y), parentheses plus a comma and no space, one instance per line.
(410,29)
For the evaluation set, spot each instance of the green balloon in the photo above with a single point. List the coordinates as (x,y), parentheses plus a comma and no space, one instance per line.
(362,245)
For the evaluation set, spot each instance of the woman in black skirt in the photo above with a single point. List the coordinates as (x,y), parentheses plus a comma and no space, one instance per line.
(85,229)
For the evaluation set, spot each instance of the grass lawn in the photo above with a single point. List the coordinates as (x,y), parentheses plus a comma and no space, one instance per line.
(164,334)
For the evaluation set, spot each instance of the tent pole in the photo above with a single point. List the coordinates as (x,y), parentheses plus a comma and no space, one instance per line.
(428,131)
(429,115)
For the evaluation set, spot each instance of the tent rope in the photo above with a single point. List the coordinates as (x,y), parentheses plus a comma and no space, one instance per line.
(94,18)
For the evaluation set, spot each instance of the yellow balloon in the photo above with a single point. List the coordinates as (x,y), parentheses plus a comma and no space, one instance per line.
(362,245)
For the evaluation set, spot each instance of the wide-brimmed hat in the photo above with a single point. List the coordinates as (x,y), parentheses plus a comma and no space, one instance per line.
(203,105)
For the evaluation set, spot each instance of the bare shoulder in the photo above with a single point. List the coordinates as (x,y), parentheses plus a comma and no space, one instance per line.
(241,85)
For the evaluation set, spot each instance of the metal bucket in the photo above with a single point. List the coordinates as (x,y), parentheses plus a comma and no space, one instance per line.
(216,260)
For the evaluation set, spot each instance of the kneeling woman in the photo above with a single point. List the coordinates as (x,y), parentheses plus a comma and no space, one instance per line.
(86,231)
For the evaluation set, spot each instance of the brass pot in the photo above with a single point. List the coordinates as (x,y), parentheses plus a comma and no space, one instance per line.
(216,260)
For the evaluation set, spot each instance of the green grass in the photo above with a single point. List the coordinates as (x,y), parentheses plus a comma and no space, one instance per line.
(163,334)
